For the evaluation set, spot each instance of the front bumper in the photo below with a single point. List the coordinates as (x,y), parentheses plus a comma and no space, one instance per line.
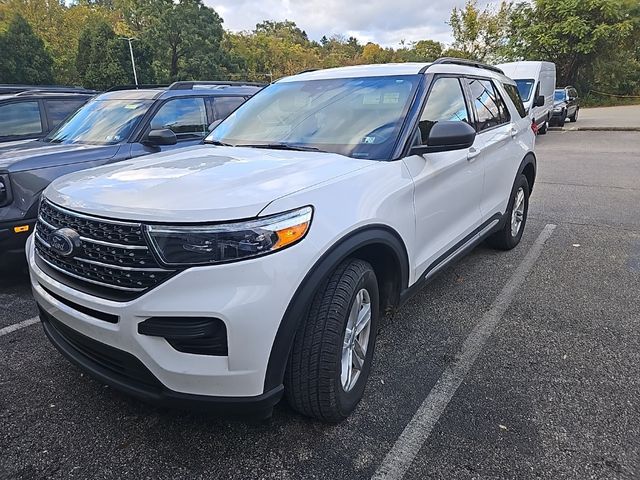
(240,294)
(126,373)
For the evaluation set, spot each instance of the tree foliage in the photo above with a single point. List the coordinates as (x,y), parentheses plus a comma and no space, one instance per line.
(23,57)
(480,34)
(595,44)
(186,38)
(584,39)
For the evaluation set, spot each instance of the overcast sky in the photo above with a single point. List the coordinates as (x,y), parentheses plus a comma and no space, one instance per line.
(386,22)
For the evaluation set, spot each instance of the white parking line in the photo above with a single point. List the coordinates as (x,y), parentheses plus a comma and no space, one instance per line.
(18,326)
(399,459)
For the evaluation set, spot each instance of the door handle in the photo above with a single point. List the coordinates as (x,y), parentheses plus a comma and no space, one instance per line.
(472,154)
(513,132)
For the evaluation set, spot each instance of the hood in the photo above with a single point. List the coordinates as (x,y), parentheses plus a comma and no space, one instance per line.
(34,154)
(558,103)
(204,183)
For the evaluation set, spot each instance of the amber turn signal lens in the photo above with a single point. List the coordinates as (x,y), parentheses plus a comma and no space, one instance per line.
(287,236)
(21,228)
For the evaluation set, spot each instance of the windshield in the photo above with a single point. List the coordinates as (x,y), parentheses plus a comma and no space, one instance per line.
(357,117)
(559,96)
(525,87)
(101,122)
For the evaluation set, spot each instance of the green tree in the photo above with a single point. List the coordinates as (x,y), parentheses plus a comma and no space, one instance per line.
(585,40)
(101,58)
(480,34)
(186,40)
(285,30)
(23,57)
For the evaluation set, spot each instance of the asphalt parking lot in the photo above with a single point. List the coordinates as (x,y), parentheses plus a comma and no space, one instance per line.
(551,390)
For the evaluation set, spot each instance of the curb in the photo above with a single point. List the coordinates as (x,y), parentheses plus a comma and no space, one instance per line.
(596,129)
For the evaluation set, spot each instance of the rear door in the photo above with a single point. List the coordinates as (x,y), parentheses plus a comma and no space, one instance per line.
(447,185)
(497,139)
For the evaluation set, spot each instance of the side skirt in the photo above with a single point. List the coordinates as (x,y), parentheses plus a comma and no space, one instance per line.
(456,252)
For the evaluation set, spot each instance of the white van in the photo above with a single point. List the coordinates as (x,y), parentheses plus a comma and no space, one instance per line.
(534,79)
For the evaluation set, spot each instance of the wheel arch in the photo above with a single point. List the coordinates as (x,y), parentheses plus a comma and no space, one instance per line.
(381,246)
(528,168)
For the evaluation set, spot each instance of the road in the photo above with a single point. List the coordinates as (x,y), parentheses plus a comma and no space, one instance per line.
(552,391)
(623,118)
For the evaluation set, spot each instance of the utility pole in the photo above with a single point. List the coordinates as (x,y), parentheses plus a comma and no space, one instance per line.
(133,62)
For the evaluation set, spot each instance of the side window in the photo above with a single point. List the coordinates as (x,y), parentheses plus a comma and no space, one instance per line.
(20,118)
(445,103)
(223,106)
(514,95)
(58,110)
(186,117)
(490,107)
(573,93)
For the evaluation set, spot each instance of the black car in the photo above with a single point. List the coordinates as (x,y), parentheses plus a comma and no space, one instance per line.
(28,112)
(566,104)
(112,127)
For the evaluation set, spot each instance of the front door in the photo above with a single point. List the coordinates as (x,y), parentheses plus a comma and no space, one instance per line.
(447,185)
(185,116)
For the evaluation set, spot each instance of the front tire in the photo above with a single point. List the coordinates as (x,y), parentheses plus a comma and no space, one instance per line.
(574,117)
(545,126)
(563,118)
(515,219)
(333,347)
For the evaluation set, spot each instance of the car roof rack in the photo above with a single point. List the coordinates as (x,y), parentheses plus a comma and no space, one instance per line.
(140,86)
(189,85)
(38,89)
(464,62)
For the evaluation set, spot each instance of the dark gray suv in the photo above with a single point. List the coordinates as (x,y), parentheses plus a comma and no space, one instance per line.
(28,112)
(112,127)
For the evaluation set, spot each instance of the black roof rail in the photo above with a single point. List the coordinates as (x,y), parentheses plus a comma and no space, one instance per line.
(37,89)
(462,61)
(140,86)
(26,93)
(188,85)
(308,70)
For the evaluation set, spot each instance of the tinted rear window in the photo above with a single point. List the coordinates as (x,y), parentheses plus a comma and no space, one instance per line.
(20,118)
(514,95)
(58,110)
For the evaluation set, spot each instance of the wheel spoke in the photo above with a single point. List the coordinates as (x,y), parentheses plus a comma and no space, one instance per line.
(347,383)
(358,356)
(364,316)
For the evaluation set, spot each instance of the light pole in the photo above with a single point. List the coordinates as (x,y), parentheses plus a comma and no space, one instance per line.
(133,62)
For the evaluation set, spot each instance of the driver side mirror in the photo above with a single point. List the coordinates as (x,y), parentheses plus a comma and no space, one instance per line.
(447,136)
(162,136)
(539,102)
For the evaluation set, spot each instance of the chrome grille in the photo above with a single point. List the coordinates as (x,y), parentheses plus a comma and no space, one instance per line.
(113,260)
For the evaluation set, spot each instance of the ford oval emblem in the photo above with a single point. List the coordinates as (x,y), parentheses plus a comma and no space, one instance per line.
(64,241)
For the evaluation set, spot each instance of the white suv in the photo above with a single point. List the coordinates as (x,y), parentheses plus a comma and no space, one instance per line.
(259,264)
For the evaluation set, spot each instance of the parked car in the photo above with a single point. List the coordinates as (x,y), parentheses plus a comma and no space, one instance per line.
(536,83)
(28,112)
(112,127)
(566,104)
(259,263)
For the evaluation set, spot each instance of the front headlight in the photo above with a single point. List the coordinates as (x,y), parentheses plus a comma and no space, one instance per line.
(210,244)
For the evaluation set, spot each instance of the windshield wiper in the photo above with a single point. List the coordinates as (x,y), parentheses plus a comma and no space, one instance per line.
(216,142)
(281,146)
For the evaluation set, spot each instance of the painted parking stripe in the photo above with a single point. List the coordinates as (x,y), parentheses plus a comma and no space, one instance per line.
(415,434)
(18,326)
